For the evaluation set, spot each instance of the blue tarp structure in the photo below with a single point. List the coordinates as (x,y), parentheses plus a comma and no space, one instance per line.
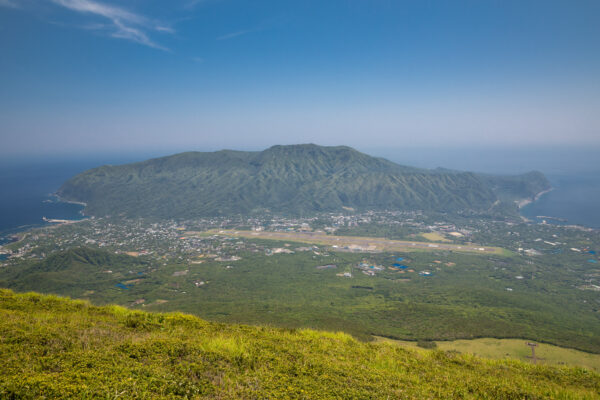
(399,259)
(402,267)
(593,261)
(396,265)
(121,286)
(592,252)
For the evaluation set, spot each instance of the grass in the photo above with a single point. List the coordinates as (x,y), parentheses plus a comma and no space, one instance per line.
(515,349)
(434,237)
(53,347)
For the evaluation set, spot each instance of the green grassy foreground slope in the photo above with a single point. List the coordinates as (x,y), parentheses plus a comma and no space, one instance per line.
(53,347)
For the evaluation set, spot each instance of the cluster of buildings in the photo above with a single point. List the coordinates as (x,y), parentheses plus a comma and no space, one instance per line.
(369,269)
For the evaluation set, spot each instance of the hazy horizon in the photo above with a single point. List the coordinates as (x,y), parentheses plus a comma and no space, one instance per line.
(552,161)
(100,76)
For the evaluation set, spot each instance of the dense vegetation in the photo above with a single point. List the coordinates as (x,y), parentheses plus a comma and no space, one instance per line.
(296,180)
(66,271)
(58,348)
(466,297)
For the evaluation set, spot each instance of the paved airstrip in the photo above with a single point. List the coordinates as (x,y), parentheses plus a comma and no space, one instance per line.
(354,243)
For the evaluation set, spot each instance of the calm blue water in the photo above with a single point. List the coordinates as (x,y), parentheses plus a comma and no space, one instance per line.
(26,195)
(27,187)
(576,199)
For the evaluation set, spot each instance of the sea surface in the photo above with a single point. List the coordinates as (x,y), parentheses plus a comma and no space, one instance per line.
(574,200)
(28,187)
(27,195)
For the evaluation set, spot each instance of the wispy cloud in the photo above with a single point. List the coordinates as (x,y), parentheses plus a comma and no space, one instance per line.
(165,29)
(236,34)
(193,3)
(9,4)
(124,24)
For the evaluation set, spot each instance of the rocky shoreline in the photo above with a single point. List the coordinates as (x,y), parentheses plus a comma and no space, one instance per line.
(522,203)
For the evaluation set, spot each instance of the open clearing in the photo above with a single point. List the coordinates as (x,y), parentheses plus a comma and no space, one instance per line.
(355,243)
(515,348)
(434,237)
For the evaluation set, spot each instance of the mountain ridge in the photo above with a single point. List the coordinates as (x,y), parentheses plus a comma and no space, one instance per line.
(287,179)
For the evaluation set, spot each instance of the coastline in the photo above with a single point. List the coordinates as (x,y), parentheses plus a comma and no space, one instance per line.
(13,232)
(543,219)
(79,203)
(61,221)
(21,232)
(522,203)
(63,200)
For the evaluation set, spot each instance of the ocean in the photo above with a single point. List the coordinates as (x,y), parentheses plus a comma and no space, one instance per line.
(27,195)
(574,200)
(28,186)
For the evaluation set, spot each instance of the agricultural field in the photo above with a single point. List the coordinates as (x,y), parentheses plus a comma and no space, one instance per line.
(518,349)
(434,237)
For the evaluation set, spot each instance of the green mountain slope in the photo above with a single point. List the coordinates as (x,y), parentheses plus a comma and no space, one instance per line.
(298,179)
(58,348)
(73,269)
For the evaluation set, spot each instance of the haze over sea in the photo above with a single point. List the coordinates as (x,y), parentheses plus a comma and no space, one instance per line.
(28,184)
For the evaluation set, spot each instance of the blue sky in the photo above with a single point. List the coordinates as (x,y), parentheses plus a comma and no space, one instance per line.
(87,75)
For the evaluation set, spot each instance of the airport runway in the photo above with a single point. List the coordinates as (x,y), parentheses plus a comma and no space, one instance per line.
(353,243)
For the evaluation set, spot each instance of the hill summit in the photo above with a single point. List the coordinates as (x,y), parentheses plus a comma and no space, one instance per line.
(293,180)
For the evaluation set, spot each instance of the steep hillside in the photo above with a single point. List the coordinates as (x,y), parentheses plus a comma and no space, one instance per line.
(75,270)
(515,187)
(57,348)
(298,180)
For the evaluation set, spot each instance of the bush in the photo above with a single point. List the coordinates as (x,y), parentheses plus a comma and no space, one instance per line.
(427,344)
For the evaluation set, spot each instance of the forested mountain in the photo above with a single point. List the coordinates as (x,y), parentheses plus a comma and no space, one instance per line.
(295,180)
(73,271)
